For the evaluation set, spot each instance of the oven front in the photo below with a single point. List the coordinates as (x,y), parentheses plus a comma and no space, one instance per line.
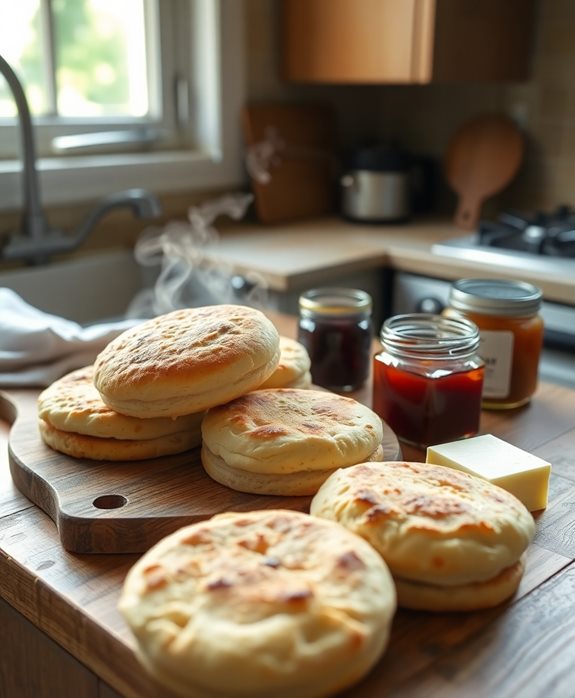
(413,293)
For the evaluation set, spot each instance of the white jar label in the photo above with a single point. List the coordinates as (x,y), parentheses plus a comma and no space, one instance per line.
(496,350)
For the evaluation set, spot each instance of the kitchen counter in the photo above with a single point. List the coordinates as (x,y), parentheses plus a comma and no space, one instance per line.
(61,634)
(294,256)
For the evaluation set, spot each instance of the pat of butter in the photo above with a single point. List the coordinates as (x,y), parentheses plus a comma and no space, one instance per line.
(521,473)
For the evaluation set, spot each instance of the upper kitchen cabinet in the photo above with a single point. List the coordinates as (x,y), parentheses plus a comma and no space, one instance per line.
(405,41)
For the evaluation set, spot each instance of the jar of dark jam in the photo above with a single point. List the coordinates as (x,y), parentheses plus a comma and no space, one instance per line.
(511,328)
(335,326)
(427,380)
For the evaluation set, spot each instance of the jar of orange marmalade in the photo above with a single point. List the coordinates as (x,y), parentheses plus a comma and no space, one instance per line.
(427,378)
(507,314)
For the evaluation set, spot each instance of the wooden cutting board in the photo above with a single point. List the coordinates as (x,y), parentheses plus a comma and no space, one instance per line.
(107,507)
(290,157)
(482,158)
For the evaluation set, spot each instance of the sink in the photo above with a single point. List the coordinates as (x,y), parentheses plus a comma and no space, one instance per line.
(85,289)
(101,287)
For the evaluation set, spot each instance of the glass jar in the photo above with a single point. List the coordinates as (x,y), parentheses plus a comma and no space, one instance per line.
(335,326)
(507,314)
(427,380)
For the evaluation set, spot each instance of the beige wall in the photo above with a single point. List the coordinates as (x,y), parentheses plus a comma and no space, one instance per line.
(424,118)
(357,111)
(549,173)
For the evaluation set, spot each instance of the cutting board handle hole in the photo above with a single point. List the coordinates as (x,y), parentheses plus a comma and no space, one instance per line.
(110,501)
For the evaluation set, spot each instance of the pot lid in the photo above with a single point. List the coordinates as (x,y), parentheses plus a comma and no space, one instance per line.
(379,158)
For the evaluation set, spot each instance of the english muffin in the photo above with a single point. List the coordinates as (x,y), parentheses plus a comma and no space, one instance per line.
(287,441)
(264,603)
(462,597)
(103,449)
(304,381)
(293,369)
(73,404)
(187,361)
(75,421)
(451,540)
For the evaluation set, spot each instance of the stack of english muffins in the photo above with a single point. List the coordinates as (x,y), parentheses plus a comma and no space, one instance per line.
(278,602)
(74,420)
(287,441)
(187,361)
(452,541)
(149,389)
(227,369)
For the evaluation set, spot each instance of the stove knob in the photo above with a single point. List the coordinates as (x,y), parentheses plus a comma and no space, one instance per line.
(429,304)
(563,212)
(241,286)
(534,233)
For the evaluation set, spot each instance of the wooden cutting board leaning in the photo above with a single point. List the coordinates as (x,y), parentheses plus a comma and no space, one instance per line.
(290,157)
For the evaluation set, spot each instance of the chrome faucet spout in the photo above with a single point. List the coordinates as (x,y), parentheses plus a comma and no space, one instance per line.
(142,203)
(37,241)
(34,220)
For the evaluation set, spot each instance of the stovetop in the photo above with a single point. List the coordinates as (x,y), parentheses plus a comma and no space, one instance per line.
(542,241)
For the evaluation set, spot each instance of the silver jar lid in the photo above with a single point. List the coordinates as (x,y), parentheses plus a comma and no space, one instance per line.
(495,297)
(429,336)
(335,301)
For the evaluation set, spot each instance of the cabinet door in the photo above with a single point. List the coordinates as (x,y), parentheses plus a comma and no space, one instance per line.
(406,41)
(34,666)
(354,41)
(482,41)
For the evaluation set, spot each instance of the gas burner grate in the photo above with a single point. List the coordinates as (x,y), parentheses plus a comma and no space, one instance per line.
(549,234)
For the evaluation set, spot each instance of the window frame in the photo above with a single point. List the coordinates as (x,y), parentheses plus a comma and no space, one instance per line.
(217,95)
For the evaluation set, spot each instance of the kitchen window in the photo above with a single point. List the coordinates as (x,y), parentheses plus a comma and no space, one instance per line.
(123,93)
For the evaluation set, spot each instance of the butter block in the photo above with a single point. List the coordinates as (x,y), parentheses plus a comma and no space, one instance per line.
(521,473)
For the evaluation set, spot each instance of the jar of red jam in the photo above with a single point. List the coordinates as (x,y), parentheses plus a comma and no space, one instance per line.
(428,377)
(511,329)
(335,326)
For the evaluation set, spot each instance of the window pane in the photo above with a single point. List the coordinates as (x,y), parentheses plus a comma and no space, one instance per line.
(101,58)
(100,50)
(21,45)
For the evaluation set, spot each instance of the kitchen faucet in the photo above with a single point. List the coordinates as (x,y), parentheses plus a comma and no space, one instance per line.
(37,241)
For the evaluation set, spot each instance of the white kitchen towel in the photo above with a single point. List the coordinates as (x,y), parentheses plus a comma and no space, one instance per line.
(36,348)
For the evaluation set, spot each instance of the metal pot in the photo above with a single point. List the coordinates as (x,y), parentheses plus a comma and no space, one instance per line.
(376,187)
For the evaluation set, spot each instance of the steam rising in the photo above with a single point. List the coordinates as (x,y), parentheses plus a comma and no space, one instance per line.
(262,157)
(186,276)
(269,154)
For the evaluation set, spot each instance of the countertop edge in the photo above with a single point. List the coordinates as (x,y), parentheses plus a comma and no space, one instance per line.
(293,256)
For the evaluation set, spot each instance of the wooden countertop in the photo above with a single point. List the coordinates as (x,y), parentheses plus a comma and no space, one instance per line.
(525,647)
(297,255)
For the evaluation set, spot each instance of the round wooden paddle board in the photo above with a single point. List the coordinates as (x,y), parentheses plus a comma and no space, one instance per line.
(482,158)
